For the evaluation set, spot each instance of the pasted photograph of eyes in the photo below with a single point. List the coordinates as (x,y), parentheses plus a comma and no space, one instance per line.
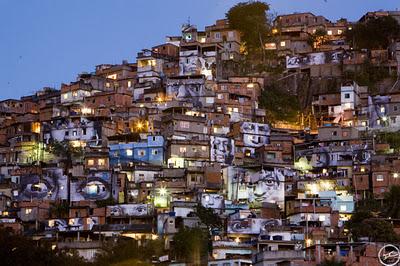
(50,185)
(95,189)
(129,210)
(92,188)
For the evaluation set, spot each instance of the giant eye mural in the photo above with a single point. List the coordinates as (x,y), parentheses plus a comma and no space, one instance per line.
(97,186)
(50,185)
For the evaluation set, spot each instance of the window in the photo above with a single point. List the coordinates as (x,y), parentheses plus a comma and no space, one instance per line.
(141,152)
(129,84)
(129,152)
(334,133)
(154,152)
(83,131)
(217,35)
(184,124)
(393,119)
(283,44)
(101,162)
(329,32)
(65,96)
(220,96)
(28,211)
(182,149)
(74,133)
(90,162)
(271,156)
(339,32)
(343,208)
(379,178)
(347,95)
(203,148)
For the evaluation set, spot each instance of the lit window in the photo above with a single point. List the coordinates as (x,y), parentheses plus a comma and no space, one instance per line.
(382,109)
(379,178)
(322,218)
(74,94)
(65,95)
(203,148)
(339,32)
(220,96)
(129,84)
(283,44)
(329,32)
(101,162)
(129,152)
(343,208)
(90,162)
(182,149)
(28,211)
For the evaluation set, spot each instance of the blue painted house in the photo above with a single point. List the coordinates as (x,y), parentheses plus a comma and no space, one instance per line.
(150,150)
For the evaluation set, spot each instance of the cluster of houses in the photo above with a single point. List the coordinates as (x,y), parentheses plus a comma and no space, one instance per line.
(144,143)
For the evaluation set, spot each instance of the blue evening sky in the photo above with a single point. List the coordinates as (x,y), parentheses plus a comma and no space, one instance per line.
(47,42)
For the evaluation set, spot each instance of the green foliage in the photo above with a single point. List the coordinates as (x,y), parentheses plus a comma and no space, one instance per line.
(107,202)
(17,250)
(128,251)
(208,217)
(332,263)
(364,224)
(318,37)
(391,138)
(250,18)
(191,245)
(369,75)
(65,150)
(392,202)
(374,34)
(279,105)
(59,209)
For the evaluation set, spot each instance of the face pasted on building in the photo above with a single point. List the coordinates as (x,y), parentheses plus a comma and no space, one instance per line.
(192,91)
(95,187)
(254,134)
(222,150)
(51,185)
(256,187)
(267,186)
(214,201)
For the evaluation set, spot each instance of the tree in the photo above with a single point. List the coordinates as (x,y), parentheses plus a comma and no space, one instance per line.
(129,252)
(191,245)
(376,33)
(364,224)
(18,250)
(279,106)
(250,18)
(392,202)
(208,217)
(318,38)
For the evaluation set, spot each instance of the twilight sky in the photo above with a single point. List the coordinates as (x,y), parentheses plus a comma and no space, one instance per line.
(47,42)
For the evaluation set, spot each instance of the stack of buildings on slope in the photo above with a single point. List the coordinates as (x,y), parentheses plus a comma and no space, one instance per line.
(178,129)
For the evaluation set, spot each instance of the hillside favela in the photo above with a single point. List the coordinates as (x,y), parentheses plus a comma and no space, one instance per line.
(261,139)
